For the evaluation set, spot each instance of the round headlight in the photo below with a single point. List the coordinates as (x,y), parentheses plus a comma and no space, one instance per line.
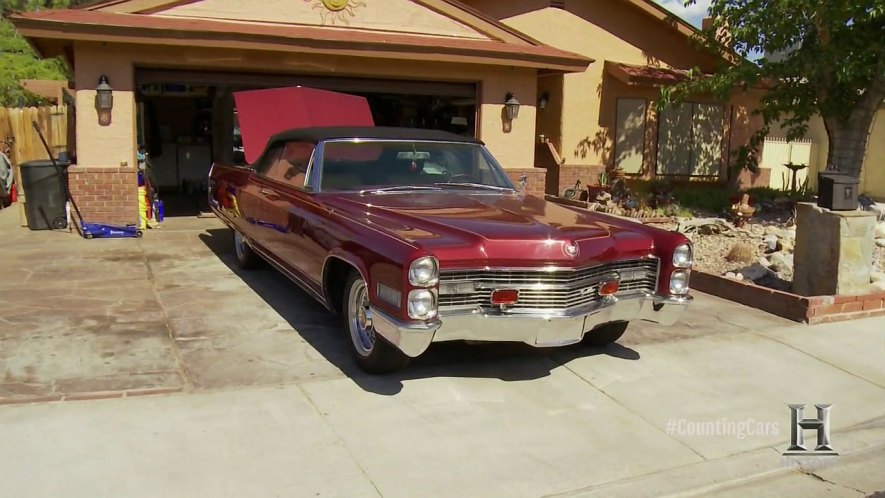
(422,304)
(679,282)
(682,256)
(424,272)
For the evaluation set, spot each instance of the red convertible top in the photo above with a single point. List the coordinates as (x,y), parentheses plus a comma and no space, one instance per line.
(265,113)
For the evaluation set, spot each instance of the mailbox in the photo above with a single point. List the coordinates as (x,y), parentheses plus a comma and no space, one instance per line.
(837,192)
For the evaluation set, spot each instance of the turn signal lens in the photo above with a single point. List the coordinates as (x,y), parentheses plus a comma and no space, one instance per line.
(609,288)
(505,297)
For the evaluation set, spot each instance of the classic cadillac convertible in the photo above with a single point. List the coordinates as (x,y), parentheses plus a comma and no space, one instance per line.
(419,236)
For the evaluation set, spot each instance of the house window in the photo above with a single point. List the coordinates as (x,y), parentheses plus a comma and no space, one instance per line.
(630,135)
(690,139)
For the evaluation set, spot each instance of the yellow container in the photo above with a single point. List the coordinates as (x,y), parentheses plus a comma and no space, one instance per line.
(142,208)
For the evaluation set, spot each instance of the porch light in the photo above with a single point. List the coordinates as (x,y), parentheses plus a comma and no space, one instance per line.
(104,95)
(511,106)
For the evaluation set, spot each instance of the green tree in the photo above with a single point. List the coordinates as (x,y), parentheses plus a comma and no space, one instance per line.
(18,60)
(824,57)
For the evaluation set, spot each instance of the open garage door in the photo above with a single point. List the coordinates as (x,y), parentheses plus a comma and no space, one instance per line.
(187,119)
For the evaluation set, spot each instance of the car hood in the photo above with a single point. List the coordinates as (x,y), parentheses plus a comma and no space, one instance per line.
(468,228)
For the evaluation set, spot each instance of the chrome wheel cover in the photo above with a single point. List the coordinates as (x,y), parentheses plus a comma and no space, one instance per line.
(359,319)
(240,245)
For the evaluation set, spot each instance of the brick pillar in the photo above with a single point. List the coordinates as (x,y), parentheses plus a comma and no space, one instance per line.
(105,195)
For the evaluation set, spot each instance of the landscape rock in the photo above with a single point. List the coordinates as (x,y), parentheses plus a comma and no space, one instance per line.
(771,230)
(786,245)
(880,230)
(782,263)
(754,272)
(741,252)
(877,276)
(770,242)
(787,233)
(880,242)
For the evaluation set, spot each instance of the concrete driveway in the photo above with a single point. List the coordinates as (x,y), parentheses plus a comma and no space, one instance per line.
(260,398)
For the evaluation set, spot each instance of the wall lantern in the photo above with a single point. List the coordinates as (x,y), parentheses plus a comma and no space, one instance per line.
(104,95)
(511,106)
(543,100)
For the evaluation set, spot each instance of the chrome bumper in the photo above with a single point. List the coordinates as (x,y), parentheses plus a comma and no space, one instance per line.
(536,330)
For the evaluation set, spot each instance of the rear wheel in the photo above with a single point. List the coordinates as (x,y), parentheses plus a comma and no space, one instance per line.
(605,334)
(372,352)
(246,257)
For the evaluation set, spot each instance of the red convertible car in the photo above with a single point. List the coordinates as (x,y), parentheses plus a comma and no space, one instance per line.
(419,236)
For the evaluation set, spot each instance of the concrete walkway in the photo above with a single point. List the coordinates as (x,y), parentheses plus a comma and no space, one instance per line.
(261,398)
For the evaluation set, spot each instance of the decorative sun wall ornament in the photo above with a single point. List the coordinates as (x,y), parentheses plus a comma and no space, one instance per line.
(334,11)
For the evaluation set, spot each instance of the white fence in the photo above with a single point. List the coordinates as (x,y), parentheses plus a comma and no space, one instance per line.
(777,152)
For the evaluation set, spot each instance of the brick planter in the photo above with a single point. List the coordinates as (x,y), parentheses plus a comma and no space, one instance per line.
(814,309)
(105,195)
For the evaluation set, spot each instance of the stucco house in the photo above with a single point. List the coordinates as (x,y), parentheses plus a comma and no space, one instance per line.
(585,73)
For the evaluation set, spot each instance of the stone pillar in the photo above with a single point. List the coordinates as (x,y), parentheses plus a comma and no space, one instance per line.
(834,251)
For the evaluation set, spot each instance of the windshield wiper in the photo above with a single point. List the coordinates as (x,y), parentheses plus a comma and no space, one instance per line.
(475,185)
(397,188)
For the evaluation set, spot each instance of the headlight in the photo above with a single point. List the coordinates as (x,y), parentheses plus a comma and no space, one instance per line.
(679,282)
(424,272)
(422,304)
(682,256)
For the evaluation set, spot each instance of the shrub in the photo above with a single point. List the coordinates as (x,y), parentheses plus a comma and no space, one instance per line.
(713,199)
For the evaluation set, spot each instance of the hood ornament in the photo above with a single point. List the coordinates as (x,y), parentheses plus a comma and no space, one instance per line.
(571,249)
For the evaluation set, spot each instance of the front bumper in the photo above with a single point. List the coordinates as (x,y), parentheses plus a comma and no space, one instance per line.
(535,330)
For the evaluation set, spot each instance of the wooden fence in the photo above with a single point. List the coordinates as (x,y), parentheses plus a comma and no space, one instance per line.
(24,143)
(21,143)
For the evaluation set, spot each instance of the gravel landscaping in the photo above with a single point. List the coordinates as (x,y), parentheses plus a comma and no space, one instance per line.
(761,252)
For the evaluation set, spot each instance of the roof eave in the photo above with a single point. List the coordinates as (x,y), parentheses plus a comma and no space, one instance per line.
(39,29)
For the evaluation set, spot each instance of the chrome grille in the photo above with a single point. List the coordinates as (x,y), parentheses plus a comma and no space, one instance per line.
(541,290)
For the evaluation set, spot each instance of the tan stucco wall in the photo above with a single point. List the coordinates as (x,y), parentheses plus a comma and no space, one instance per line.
(99,145)
(872,178)
(107,146)
(385,15)
(614,31)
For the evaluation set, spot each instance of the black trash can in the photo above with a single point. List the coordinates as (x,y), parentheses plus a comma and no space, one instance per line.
(45,189)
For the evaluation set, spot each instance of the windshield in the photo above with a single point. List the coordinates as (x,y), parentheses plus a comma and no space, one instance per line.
(368,165)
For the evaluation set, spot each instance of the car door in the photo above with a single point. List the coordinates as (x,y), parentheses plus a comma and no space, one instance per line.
(292,235)
(255,215)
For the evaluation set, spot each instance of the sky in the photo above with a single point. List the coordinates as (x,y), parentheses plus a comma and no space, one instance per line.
(693,13)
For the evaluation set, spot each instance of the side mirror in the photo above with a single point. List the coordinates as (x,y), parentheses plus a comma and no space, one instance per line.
(523,182)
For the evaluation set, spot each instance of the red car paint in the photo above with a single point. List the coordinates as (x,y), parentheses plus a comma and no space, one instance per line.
(381,234)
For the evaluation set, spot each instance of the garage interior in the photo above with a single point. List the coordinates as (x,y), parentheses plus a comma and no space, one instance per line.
(187,120)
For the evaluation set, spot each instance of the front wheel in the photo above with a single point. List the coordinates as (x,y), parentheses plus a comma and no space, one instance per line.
(605,334)
(372,352)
